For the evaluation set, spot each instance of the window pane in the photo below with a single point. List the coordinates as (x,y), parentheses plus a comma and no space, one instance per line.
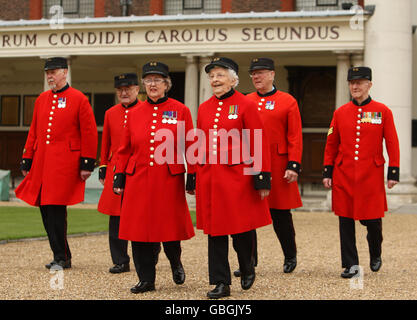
(319,5)
(193,4)
(173,7)
(28,106)
(9,110)
(70,8)
(102,102)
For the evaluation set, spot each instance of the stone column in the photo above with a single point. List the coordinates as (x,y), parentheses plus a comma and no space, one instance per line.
(205,89)
(356,59)
(342,88)
(388,51)
(191,85)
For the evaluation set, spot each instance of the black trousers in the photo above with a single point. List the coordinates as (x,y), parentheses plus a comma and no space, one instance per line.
(54,220)
(118,247)
(145,256)
(348,240)
(284,229)
(218,256)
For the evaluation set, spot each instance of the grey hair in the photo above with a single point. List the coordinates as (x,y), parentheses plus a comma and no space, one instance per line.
(167,80)
(234,77)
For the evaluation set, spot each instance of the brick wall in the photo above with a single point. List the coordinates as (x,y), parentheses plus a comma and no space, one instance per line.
(256,6)
(14,10)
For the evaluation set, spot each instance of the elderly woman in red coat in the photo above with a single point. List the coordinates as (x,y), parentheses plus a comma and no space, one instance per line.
(230,197)
(150,171)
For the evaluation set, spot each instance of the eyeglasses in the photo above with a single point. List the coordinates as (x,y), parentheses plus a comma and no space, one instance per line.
(150,81)
(213,76)
(258,73)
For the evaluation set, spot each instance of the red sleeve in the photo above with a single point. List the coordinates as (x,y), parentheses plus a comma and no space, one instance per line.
(28,150)
(259,145)
(294,134)
(124,151)
(105,141)
(88,128)
(191,168)
(391,140)
(332,143)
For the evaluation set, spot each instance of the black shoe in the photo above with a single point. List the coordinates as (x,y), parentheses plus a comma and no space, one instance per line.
(178,274)
(64,264)
(237,273)
(247,281)
(376,264)
(289,265)
(220,291)
(349,273)
(120,268)
(143,286)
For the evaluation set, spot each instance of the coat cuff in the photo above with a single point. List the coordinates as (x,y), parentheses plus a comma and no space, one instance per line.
(394,173)
(294,166)
(87,164)
(119,180)
(263,180)
(102,172)
(25,164)
(327,172)
(190,185)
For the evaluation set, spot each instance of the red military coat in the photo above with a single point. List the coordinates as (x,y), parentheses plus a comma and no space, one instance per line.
(226,200)
(281,118)
(154,207)
(115,120)
(62,133)
(354,151)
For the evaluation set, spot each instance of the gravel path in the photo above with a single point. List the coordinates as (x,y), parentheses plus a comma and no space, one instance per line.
(317,276)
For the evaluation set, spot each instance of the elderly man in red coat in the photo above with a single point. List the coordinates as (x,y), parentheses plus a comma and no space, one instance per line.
(281,118)
(354,168)
(59,155)
(115,119)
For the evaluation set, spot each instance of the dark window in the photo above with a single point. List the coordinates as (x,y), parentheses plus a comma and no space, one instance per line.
(320,5)
(9,110)
(414,133)
(28,106)
(173,7)
(102,102)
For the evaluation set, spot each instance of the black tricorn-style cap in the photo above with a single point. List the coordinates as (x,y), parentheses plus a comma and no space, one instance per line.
(261,63)
(355,73)
(155,67)
(56,63)
(126,79)
(222,62)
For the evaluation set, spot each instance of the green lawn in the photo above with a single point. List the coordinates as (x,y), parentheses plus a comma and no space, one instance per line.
(26,222)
